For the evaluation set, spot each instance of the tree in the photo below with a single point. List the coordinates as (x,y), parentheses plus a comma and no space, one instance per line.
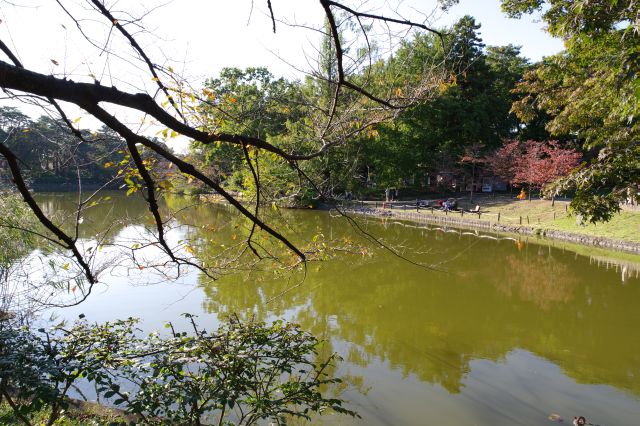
(472,105)
(250,102)
(241,373)
(504,161)
(590,93)
(16,242)
(571,18)
(542,163)
(508,67)
(472,155)
(52,155)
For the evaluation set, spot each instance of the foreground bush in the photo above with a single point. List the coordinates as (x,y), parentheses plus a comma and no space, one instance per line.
(243,373)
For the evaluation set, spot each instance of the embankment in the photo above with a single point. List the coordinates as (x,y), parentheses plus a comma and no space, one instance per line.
(469,222)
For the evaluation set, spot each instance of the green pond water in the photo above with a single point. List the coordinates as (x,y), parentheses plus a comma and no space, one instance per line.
(503,332)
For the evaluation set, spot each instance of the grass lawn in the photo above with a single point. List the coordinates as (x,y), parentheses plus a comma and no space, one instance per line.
(541,214)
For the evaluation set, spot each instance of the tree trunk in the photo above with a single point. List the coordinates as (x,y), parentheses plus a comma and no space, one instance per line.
(473,174)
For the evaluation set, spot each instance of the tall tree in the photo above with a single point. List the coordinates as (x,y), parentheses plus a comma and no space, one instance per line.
(472,107)
(591,92)
(508,67)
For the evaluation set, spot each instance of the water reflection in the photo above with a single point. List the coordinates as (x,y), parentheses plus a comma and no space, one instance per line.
(504,331)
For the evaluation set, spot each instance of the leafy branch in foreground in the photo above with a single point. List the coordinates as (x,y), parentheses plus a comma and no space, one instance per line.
(244,373)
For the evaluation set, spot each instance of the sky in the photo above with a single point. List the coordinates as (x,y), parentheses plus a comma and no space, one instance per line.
(497,29)
(198,38)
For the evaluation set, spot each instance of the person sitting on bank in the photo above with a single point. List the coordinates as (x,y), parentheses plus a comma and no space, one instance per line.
(450,204)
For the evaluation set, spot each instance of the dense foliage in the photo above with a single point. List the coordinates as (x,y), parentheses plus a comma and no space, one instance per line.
(471,108)
(591,92)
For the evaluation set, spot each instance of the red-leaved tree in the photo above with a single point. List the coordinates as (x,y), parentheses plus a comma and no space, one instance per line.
(503,162)
(532,163)
(544,162)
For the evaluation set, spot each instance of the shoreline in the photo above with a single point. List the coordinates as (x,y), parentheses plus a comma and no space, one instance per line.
(544,233)
(369,208)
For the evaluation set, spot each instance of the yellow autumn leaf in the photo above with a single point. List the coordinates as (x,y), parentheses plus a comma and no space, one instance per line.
(165,184)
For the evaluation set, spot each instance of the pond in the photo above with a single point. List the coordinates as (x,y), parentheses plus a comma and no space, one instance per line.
(497,331)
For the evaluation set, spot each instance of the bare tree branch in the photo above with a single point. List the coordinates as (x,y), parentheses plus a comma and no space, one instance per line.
(188,169)
(273,18)
(152,68)
(52,101)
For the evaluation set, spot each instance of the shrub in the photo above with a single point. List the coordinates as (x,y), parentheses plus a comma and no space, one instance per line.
(243,373)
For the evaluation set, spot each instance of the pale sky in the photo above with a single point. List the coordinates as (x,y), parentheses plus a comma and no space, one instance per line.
(198,38)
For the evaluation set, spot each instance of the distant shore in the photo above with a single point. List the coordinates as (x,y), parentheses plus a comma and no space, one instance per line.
(503,214)
(499,222)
